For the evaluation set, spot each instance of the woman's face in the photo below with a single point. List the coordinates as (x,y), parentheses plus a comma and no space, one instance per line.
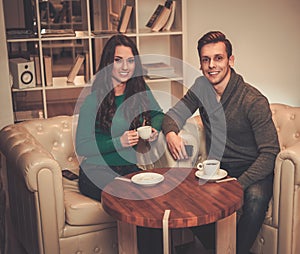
(124,65)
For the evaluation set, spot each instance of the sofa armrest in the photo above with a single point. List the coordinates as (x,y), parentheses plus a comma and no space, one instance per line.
(286,205)
(36,176)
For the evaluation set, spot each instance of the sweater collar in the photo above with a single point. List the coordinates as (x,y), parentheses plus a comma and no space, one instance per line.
(234,82)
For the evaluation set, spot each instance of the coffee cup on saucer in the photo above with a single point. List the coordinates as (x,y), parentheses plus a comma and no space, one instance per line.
(144,131)
(209,167)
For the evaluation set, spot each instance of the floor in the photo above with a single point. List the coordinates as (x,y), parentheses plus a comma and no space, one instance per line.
(192,248)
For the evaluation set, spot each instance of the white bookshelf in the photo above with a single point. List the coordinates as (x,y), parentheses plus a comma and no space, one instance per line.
(60,98)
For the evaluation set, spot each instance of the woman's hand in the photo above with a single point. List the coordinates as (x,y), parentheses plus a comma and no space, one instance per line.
(129,138)
(154,135)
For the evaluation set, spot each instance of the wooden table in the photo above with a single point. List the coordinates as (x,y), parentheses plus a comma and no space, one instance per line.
(191,203)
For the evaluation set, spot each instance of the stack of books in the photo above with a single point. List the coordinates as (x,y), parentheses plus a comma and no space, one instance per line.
(158,70)
(57,32)
(163,17)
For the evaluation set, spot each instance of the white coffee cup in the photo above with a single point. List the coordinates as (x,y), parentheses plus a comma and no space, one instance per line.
(209,167)
(144,131)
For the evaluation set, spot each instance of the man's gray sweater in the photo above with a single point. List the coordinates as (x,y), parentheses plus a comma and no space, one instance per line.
(239,129)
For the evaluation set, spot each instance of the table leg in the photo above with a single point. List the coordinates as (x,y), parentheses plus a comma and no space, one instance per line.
(226,235)
(166,241)
(127,238)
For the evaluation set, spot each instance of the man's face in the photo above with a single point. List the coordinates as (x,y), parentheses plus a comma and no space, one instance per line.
(215,64)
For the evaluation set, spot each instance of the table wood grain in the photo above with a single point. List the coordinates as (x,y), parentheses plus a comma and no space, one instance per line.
(192,202)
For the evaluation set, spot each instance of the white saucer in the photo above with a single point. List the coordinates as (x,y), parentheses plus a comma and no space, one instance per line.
(147,178)
(222,173)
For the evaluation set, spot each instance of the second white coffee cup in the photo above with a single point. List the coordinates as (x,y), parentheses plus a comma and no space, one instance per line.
(209,167)
(144,131)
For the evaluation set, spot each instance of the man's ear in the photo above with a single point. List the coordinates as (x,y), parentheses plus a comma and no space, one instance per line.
(231,61)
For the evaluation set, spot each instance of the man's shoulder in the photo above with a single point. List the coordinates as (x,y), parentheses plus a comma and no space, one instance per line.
(253,94)
(201,85)
(201,80)
(244,87)
(254,101)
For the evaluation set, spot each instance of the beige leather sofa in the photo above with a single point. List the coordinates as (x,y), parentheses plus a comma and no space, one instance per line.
(51,216)
(280,232)
(48,213)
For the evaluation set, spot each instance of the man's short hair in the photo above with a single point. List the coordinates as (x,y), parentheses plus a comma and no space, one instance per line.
(214,37)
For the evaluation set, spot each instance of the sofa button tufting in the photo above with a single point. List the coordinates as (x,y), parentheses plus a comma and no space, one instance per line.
(78,252)
(293,117)
(70,159)
(297,135)
(55,143)
(262,240)
(97,250)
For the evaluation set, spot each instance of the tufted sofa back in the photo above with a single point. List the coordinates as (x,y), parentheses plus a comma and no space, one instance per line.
(56,135)
(280,231)
(287,123)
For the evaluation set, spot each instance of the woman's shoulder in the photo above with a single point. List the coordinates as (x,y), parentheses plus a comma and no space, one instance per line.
(90,100)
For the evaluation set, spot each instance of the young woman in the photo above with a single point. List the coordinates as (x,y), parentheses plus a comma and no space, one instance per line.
(120,102)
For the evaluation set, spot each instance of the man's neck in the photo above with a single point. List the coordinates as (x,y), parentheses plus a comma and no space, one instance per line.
(220,88)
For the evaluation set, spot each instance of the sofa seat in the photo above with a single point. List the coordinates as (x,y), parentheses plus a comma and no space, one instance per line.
(81,210)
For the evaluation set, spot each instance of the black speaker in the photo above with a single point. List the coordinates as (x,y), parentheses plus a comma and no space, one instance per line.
(22,71)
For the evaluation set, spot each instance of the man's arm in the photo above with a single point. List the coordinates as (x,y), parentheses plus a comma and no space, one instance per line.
(174,121)
(265,134)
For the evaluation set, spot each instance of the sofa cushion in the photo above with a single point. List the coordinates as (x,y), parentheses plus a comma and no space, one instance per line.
(82,210)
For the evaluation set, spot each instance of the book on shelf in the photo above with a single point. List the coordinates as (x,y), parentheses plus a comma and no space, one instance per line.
(57,32)
(87,76)
(160,17)
(154,16)
(75,68)
(103,32)
(37,68)
(28,115)
(124,18)
(170,21)
(158,70)
(48,70)
(19,33)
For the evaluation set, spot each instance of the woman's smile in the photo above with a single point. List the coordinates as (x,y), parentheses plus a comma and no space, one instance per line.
(124,65)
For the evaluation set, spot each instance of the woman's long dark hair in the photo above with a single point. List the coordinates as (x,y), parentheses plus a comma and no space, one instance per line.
(105,91)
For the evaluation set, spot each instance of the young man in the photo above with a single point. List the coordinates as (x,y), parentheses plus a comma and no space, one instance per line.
(239,131)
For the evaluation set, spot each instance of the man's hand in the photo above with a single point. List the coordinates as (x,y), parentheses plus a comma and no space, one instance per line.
(176,146)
